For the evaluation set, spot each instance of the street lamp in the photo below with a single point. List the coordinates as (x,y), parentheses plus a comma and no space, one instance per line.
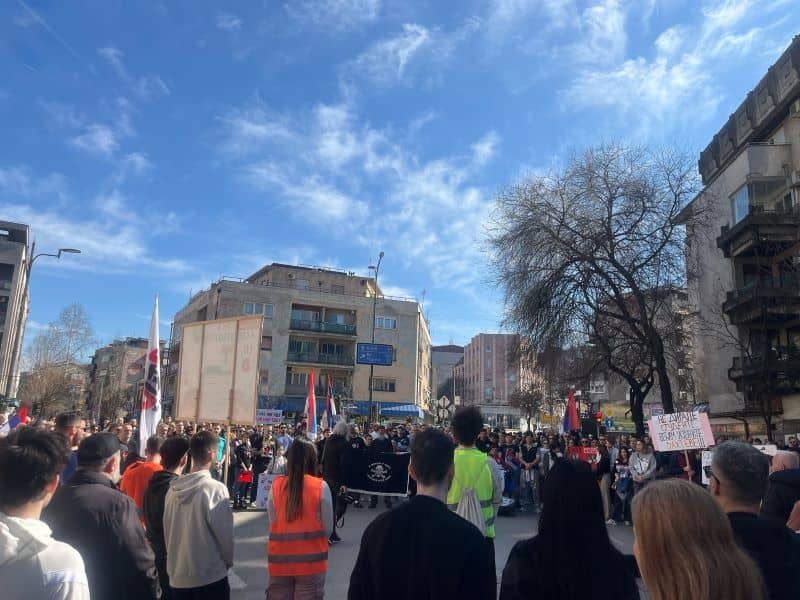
(23,309)
(377,269)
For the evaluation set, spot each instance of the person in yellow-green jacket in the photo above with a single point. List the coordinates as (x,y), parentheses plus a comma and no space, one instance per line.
(473,470)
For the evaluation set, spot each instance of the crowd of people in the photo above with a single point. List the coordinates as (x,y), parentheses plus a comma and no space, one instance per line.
(86,512)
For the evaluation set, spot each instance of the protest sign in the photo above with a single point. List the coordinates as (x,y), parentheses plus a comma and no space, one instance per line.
(269,416)
(589,454)
(705,462)
(264,486)
(681,431)
(768,449)
(379,474)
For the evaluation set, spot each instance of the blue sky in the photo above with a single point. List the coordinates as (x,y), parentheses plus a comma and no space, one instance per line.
(175,142)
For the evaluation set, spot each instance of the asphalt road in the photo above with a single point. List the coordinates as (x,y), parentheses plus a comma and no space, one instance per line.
(250,566)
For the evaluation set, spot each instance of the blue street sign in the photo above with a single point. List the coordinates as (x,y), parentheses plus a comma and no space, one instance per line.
(374,354)
(609,423)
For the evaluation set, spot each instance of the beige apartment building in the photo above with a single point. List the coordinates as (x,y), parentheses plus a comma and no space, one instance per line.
(743,250)
(313,318)
(488,376)
(13,314)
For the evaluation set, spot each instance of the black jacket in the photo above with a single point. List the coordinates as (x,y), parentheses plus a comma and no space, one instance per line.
(101,523)
(334,461)
(783,492)
(531,573)
(382,445)
(774,548)
(153,510)
(422,551)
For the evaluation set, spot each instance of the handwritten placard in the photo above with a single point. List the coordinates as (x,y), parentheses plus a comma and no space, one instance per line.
(681,431)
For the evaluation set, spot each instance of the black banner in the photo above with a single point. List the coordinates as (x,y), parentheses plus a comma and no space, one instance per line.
(378,473)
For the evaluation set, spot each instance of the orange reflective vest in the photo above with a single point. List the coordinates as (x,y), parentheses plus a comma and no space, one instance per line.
(298,547)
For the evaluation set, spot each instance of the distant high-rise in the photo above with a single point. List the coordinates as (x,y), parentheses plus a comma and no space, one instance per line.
(13,303)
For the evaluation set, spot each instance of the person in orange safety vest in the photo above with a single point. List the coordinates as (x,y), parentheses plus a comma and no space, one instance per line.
(300,509)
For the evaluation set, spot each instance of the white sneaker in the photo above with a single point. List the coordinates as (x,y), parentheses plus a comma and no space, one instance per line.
(611,522)
(627,522)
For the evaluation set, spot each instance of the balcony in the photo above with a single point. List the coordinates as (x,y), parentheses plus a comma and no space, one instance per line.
(320,327)
(301,389)
(773,298)
(778,368)
(319,358)
(776,226)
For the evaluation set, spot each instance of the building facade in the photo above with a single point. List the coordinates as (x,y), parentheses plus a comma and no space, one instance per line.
(13,303)
(443,361)
(489,374)
(743,254)
(313,319)
(116,378)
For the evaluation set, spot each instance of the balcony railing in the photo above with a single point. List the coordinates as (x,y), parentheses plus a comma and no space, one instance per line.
(786,286)
(320,358)
(780,360)
(320,327)
(781,219)
(301,389)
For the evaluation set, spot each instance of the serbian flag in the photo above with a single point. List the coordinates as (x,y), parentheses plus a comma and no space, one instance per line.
(151,395)
(571,422)
(311,405)
(21,416)
(329,417)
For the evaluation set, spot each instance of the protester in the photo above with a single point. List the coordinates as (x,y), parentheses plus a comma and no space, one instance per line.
(623,490)
(300,509)
(784,486)
(603,475)
(218,470)
(244,477)
(68,425)
(685,547)
(32,563)
(546,565)
(643,466)
(421,550)
(127,445)
(284,439)
(738,481)
(472,471)
(137,475)
(334,467)
(101,523)
(173,461)
(529,458)
(198,527)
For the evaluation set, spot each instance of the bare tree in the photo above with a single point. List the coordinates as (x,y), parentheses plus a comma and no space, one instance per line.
(594,252)
(52,359)
(529,400)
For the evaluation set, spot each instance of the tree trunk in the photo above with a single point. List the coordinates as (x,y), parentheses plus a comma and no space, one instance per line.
(637,410)
(664,384)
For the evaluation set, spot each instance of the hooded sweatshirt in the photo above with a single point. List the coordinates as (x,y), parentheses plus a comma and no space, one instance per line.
(34,565)
(154,498)
(198,530)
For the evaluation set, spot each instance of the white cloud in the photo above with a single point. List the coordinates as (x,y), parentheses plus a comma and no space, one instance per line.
(334,16)
(248,129)
(428,214)
(20,181)
(228,22)
(135,163)
(145,87)
(603,36)
(677,83)
(507,19)
(97,139)
(386,61)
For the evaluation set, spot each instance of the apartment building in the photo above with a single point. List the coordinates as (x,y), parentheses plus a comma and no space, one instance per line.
(13,303)
(489,374)
(116,377)
(743,250)
(443,360)
(313,318)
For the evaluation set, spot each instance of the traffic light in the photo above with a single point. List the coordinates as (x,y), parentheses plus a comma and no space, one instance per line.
(599,416)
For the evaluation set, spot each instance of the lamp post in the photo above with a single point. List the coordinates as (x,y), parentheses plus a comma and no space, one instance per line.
(23,310)
(376,268)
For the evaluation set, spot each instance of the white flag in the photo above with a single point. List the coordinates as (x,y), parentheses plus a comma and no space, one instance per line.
(151,395)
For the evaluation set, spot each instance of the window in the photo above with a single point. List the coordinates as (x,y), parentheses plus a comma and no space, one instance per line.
(330,348)
(488,363)
(263,360)
(383,384)
(488,347)
(263,384)
(295,378)
(302,284)
(337,289)
(301,346)
(385,322)
(258,308)
(266,342)
(740,204)
(305,315)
